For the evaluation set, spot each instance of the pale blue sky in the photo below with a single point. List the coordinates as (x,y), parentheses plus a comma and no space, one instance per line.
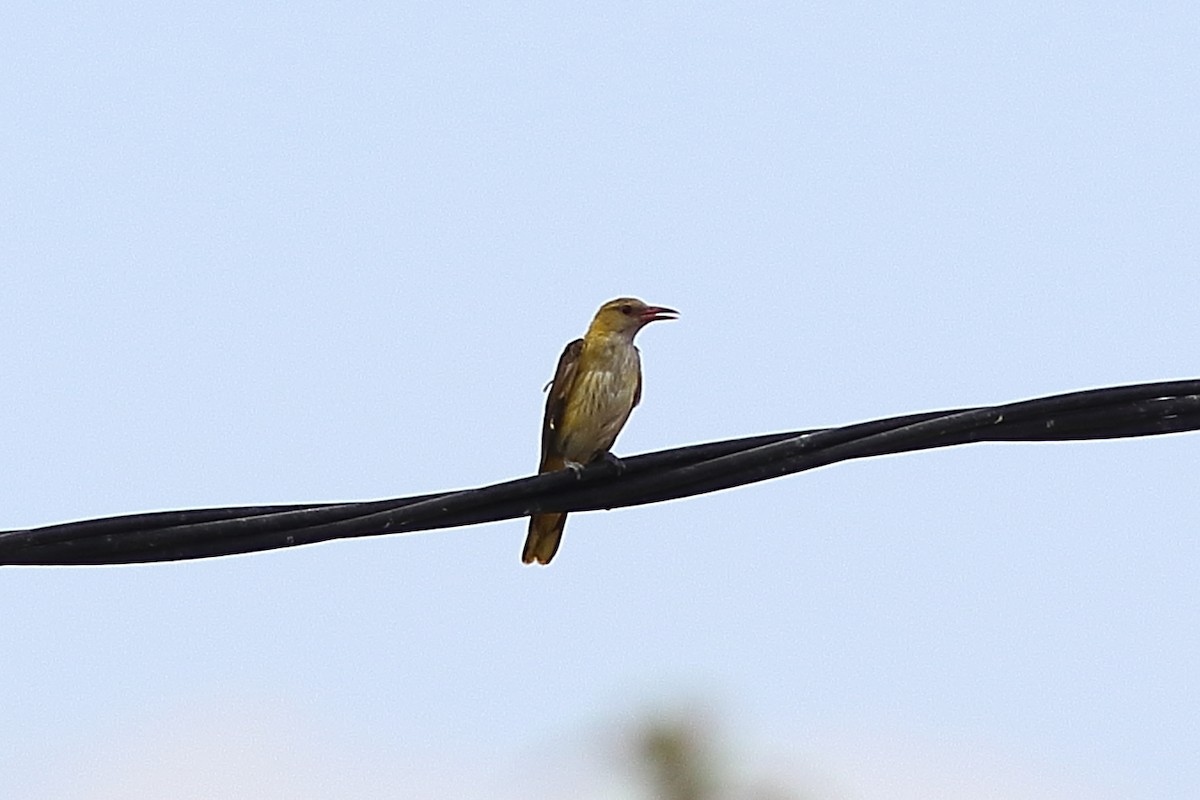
(296,252)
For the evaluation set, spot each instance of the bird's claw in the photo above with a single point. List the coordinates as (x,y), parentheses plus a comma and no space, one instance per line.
(617,464)
(575,467)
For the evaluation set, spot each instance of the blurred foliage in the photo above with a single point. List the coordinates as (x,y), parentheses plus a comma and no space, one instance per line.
(677,759)
(677,756)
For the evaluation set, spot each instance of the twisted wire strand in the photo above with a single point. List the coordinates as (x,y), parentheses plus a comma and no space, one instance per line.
(1147,409)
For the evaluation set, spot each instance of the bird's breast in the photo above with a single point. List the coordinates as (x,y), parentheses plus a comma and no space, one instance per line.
(599,405)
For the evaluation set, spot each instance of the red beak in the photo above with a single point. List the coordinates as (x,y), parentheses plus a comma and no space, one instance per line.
(652,313)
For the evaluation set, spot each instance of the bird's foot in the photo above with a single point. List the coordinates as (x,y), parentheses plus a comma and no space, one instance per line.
(617,464)
(575,467)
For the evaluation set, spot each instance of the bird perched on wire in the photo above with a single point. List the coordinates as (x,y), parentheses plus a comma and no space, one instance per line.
(596,386)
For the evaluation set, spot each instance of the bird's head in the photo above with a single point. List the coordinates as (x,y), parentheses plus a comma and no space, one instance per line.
(627,315)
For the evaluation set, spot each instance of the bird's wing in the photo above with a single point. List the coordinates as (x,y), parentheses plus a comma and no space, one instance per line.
(637,393)
(556,401)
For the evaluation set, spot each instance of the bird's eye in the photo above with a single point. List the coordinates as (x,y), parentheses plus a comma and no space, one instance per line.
(626,309)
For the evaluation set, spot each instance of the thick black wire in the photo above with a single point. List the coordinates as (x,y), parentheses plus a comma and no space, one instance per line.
(1115,412)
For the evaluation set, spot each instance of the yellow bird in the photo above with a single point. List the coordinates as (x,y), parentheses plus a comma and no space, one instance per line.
(596,386)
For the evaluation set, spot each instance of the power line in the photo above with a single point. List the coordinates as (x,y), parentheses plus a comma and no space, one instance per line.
(1147,409)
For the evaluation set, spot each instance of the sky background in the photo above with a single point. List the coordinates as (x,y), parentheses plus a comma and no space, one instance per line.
(296,253)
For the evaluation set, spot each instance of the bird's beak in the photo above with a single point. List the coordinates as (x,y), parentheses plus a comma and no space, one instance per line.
(652,313)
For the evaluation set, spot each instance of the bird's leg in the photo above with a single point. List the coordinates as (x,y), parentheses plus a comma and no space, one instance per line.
(575,467)
(608,458)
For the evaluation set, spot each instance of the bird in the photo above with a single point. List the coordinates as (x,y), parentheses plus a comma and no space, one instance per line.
(595,387)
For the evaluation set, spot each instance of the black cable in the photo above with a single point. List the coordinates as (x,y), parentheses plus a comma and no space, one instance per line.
(1115,412)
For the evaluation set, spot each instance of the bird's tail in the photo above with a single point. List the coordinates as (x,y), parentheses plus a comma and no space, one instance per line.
(545,532)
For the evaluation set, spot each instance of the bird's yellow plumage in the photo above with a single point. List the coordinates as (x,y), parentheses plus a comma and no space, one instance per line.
(596,386)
